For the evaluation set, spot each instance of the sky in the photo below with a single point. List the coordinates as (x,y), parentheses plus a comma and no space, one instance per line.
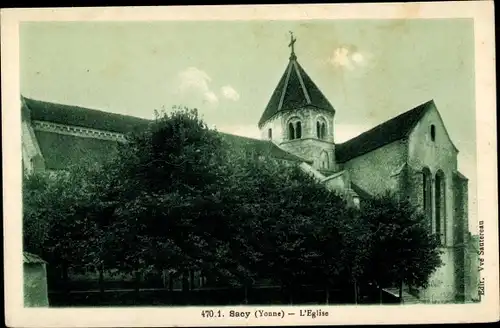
(370,70)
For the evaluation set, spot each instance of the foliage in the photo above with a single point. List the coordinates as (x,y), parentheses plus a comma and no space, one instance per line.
(400,245)
(179,197)
(55,219)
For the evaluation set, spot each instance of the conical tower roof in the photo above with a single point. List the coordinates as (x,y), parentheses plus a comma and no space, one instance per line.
(295,90)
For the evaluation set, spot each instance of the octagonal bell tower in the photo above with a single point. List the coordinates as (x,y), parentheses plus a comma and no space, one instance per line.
(299,118)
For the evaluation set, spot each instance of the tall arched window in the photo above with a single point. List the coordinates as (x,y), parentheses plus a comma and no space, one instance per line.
(323,130)
(270,133)
(294,128)
(427,194)
(298,130)
(324,160)
(440,206)
(291,131)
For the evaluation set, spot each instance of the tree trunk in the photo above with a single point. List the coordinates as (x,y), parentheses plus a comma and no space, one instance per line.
(283,294)
(137,281)
(65,279)
(380,293)
(191,279)
(401,291)
(355,292)
(245,301)
(64,271)
(185,281)
(171,287)
(101,280)
(171,282)
(185,286)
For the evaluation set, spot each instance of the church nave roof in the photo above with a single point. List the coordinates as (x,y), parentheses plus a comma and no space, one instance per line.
(389,131)
(61,150)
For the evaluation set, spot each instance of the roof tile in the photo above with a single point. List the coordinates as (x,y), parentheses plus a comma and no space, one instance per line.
(84,117)
(61,151)
(381,135)
(295,90)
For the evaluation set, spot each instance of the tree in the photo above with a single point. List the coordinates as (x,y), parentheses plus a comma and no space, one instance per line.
(162,191)
(179,196)
(284,226)
(56,224)
(401,248)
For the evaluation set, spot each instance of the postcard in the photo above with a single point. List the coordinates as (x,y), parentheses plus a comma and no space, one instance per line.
(250,165)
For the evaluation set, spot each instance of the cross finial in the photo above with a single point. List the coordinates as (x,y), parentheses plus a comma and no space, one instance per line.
(291,45)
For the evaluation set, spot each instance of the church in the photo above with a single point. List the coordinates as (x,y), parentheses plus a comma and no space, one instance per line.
(411,155)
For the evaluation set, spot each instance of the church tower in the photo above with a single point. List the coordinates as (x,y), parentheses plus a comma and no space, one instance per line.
(299,118)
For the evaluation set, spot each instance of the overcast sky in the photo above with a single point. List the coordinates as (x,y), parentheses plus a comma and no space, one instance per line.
(370,70)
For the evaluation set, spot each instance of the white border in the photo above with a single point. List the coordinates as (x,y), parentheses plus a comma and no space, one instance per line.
(487,310)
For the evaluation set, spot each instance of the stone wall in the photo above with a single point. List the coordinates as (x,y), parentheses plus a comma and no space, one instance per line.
(308,146)
(461,236)
(461,208)
(376,171)
(430,148)
(338,182)
(311,149)
(35,285)
(31,155)
(442,284)
(276,125)
(471,276)
(436,155)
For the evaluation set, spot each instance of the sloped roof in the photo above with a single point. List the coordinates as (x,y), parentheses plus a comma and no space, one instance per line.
(84,117)
(261,147)
(392,130)
(29,258)
(363,194)
(61,151)
(294,90)
(461,176)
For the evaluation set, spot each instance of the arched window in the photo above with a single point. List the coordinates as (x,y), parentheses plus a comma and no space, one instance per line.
(294,128)
(270,133)
(440,206)
(298,130)
(291,131)
(321,128)
(427,193)
(433,132)
(324,160)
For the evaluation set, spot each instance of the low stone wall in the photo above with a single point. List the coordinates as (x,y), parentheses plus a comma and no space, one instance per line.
(35,285)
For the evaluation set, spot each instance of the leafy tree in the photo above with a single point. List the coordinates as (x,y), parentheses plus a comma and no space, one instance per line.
(55,217)
(35,226)
(285,224)
(178,196)
(401,249)
(163,191)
